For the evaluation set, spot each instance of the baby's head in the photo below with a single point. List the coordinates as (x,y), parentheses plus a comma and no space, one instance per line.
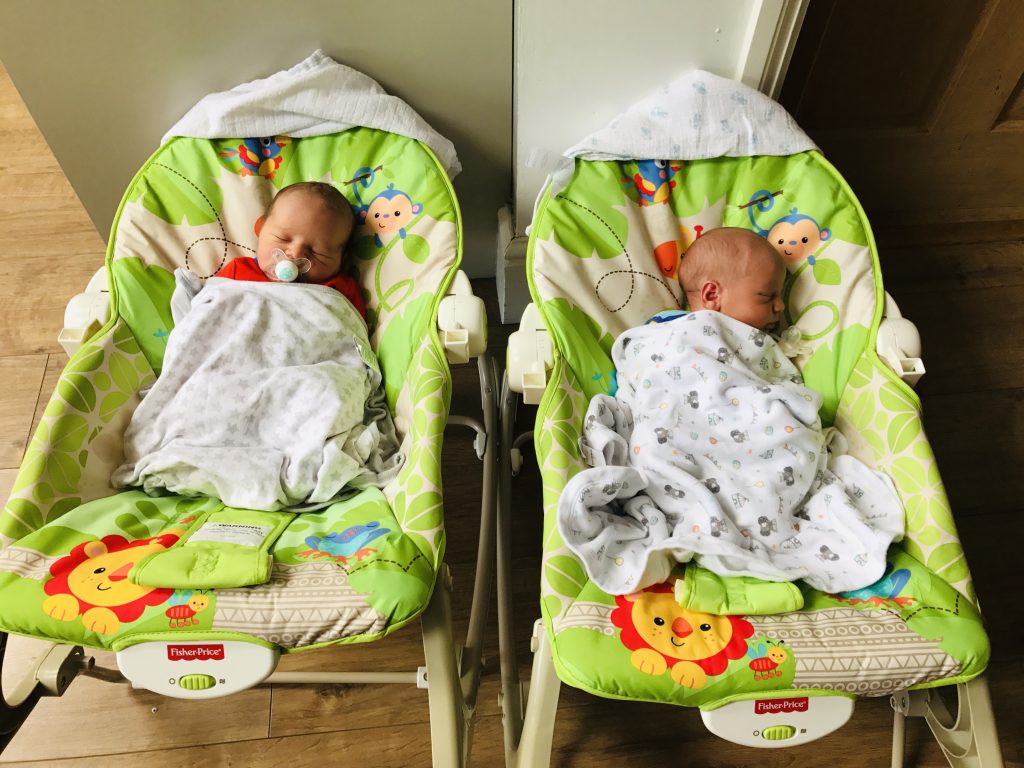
(737,273)
(310,220)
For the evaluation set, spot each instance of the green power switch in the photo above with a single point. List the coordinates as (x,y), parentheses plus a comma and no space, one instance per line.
(197,682)
(778,732)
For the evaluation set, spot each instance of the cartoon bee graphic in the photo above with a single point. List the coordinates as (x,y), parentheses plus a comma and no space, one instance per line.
(786,476)
(718,526)
(712,485)
(663,435)
(692,400)
(185,604)
(767,658)
(767,525)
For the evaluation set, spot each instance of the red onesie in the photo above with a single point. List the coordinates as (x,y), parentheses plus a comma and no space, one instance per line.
(246,268)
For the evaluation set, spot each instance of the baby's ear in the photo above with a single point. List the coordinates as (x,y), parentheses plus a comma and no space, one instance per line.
(259,225)
(711,295)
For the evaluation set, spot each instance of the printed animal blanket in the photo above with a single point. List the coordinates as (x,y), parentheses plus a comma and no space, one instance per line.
(712,449)
(270,397)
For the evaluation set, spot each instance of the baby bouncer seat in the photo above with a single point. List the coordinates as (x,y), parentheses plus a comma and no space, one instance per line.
(353,572)
(606,241)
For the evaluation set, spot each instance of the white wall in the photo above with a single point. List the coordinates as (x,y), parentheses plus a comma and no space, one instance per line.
(579,63)
(104,79)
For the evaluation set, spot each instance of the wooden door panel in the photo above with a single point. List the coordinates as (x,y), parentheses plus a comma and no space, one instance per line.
(919,104)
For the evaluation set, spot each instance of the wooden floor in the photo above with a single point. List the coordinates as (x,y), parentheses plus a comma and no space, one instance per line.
(968,299)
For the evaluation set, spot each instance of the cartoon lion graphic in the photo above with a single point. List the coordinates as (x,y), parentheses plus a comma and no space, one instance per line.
(665,636)
(92,581)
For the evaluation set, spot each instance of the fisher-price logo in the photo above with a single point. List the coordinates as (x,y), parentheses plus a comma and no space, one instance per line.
(195,652)
(780,706)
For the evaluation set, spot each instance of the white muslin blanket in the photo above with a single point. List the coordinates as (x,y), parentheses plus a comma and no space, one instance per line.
(700,115)
(712,450)
(269,397)
(315,97)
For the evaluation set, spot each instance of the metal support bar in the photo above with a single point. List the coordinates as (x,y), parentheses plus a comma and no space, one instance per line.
(480,443)
(534,747)
(511,693)
(967,737)
(340,678)
(449,725)
(50,675)
(472,653)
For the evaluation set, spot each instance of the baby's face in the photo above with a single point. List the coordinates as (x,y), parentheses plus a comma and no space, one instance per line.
(303,227)
(755,298)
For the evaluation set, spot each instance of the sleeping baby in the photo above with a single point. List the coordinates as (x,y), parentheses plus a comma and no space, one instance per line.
(712,448)
(302,236)
(270,396)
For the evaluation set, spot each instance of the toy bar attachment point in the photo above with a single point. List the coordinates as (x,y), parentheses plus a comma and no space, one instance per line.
(86,313)
(899,344)
(530,357)
(462,322)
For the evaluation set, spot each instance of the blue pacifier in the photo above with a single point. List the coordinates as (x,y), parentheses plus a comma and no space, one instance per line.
(284,269)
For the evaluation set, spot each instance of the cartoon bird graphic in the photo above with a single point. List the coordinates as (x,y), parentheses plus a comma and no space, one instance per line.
(258,156)
(653,180)
(884,592)
(653,183)
(350,543)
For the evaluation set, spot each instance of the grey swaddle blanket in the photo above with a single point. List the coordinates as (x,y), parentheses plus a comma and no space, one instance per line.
(712,449)
(269,397)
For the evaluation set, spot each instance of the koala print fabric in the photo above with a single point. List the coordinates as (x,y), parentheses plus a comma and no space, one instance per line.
(270,397)
(712,450)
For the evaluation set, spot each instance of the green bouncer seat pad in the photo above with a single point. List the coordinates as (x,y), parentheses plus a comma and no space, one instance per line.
(908,629)
(345,574)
